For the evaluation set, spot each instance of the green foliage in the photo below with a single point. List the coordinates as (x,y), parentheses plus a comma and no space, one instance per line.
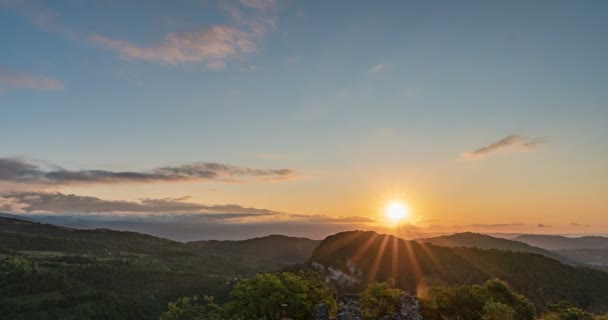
(566,311)
(273,296)
(492,301)
(497,311)
(189,308)
(380,299)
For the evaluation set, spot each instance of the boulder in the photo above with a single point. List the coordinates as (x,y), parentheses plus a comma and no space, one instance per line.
(320,312)
(410,309)
(350,308)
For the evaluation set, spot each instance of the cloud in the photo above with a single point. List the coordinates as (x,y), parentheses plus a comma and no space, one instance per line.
(540,225)
(574,224)
(213,45)
(498,225)
(10,79)
(512,142)
(376,68)
(177,219)
(20,171)
(43,18)
(44,202)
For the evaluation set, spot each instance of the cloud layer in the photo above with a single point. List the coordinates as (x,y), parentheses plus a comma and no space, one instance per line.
(512,142)
(10,79)
(177,219)
(20,171)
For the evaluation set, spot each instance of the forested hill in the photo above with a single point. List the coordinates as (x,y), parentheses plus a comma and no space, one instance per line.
(482,241)
(369,256)
(49,272)
(273,247)
(23,235)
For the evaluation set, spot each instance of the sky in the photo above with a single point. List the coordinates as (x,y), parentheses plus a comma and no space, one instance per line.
(239,118)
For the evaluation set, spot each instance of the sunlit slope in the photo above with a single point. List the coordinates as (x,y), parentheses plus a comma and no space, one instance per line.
(416,265)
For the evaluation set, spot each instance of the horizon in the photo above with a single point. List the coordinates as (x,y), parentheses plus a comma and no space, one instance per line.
(234,119)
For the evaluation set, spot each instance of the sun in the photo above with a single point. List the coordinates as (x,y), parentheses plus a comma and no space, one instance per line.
(397,212)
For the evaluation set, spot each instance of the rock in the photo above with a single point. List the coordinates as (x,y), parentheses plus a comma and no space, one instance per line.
(410,309)
(350,308)
(320,312)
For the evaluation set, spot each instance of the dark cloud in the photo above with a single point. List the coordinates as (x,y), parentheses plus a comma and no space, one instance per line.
(71,203)
(574,224)
(513,142)
(499,225)
(20,171)
(173,218)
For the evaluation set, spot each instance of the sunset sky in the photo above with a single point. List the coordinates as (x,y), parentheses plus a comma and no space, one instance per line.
(246,117)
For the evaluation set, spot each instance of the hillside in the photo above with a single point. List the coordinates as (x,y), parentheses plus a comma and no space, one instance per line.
(274,247)
(51,272)
(355,258)
(482,241)
(598,258)
(19,234)
(552,242)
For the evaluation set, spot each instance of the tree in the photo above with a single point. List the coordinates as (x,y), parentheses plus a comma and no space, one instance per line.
(495,300)
(497,311)
(566,311)
(189,308)
(380,299)
(272,296)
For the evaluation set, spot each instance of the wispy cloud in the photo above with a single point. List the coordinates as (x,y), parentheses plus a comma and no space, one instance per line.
(376,68)
(41,17)
(20,171)
(11,80)
(512,142)
(213,46)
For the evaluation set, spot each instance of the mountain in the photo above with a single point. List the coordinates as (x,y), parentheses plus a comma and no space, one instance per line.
(356,258)
(598,258)
(51,272)
(482,241)
(24,235)
(552,242)
(273,247)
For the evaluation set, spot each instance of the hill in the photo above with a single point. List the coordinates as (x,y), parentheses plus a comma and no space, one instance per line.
(598,258)
(482,241)
(356,258)
(273,247)
(24,235)
(51,272)
(552,242)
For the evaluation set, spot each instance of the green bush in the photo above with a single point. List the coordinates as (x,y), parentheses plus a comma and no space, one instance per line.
(273,296)
(380,299)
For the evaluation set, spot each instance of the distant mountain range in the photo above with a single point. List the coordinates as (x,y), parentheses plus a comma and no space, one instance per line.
(482,241)
(553,242)
(356,258)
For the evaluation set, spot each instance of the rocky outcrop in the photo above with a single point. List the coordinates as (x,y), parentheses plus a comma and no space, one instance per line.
(410,309)
(320,312)
(349,308)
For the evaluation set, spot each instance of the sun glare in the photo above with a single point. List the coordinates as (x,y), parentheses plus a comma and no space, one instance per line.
(397,212)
